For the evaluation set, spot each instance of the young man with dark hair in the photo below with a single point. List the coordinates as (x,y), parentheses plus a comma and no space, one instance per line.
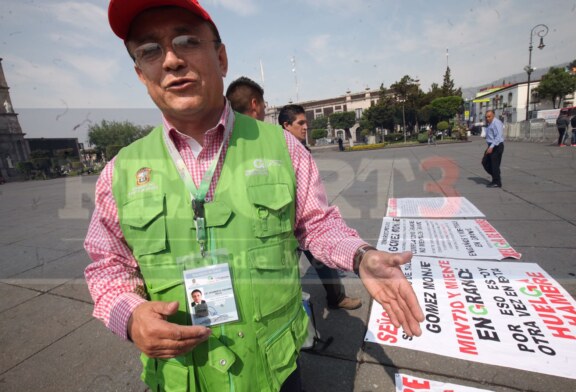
(247,97)
(293,119)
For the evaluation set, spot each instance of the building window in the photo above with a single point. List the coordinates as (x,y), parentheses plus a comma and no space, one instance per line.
(358,113)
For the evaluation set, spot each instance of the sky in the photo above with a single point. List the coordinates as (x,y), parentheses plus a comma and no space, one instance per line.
(62,55)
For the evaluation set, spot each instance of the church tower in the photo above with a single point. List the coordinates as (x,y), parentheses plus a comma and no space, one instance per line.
(13,147)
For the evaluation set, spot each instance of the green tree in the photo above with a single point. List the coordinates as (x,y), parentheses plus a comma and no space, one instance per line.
(448,85)
(25,167)
(555,85)
(319,128)
(407,96)
(319,133)
(112,150)
(343,120)
(446,108)
(443,125)
(114,133)
(319,123)
(378,116)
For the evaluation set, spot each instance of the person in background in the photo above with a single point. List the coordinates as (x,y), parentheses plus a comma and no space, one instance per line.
(562,123)
(247,97)
(493,155)
(431,136)
(190,195)
(573,125)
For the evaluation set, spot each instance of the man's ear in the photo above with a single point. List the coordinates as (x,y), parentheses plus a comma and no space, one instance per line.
(253,105)
(223,60)
(140,74)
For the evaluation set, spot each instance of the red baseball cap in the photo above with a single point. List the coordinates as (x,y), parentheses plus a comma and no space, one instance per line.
(121,13)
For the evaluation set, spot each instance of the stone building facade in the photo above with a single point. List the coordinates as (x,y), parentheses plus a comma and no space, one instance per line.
(351,102)
(13,147)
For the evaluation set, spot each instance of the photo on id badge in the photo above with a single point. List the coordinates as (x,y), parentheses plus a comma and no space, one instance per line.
(211,297)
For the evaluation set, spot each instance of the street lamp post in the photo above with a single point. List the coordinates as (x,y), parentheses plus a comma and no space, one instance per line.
(404,120)
(541,31)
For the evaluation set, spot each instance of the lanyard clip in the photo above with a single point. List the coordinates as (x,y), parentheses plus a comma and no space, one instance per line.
(198,208)
(200,223)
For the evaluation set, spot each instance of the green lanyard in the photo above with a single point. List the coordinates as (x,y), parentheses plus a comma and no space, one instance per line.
(198,195)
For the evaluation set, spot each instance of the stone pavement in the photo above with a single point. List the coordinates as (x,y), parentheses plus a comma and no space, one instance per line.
(50,342)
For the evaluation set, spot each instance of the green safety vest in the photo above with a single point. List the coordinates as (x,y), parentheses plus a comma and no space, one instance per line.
(252,217)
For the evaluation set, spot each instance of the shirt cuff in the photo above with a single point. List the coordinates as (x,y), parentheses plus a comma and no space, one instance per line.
(121,312)
(345,250)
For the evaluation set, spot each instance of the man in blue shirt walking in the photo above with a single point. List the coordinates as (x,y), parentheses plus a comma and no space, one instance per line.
(493,154)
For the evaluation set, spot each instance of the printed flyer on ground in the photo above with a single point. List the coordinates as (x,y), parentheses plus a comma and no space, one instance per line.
(433,207)
(500,313)
(452,238)
(407,383)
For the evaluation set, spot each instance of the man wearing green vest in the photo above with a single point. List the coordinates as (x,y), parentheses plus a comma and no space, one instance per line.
(247,97)
(208,201)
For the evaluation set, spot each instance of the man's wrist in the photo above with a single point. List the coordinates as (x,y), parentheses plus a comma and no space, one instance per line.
(359,255)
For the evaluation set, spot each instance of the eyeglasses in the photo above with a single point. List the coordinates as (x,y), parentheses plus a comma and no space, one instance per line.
(149,53)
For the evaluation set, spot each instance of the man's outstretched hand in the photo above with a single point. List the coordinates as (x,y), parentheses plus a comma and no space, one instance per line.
(381,274)
(158,338)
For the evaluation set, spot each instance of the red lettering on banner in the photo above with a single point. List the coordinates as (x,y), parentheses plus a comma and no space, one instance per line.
(549,314)
(560,332)
(448,274)
(393,206)
(464,335)
(543,308)
(388,332)
(415,384)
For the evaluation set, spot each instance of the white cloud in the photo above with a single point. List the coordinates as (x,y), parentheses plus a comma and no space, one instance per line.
(95,69)
(81,15)
(319,48)
(240,7)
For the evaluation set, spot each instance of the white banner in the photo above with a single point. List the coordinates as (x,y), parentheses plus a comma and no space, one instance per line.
(451,238)
(433,207)
(407,383)
(499,313)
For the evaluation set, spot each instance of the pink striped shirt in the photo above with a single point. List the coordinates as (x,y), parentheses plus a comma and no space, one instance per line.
(113,277)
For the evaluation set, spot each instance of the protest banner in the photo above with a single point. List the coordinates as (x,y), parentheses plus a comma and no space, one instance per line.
(451,238)
(407,383)
(500,313)
(432,207)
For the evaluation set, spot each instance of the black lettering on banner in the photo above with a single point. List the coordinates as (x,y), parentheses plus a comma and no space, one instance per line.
(484,329)
(530,340)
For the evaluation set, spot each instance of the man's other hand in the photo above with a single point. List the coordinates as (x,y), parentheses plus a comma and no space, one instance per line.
(381,274)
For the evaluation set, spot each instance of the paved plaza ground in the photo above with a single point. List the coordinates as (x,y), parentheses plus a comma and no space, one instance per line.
(50,342)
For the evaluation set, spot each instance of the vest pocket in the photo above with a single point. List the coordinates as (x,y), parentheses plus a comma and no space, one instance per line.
(144,224)
(166,283)
(281,357)
(271,202)
(275,278)
(166,375)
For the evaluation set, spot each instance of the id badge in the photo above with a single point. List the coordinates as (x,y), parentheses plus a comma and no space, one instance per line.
(210,294)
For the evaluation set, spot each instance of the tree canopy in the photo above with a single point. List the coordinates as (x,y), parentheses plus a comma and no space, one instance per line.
(555,85)
(446,108)
(319,123)
(114,133)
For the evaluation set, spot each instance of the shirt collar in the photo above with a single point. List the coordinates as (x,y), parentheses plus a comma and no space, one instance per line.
(211,135)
